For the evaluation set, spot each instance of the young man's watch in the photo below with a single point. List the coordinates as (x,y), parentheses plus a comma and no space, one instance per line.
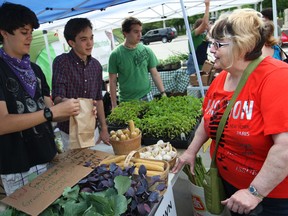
(254,192)
(48,114)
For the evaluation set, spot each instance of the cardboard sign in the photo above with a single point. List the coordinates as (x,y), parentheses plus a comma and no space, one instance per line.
(68,169)
(81,157)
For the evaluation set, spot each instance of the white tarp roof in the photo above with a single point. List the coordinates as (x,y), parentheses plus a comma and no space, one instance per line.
(51,10)
(149,11)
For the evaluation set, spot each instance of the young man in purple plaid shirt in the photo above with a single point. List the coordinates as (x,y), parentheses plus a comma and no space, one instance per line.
(78,75)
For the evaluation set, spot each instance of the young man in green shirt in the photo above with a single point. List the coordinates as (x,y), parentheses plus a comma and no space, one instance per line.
(130,64)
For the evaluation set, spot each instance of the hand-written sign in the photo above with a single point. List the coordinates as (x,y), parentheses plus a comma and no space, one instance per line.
(37,195)
(82,157)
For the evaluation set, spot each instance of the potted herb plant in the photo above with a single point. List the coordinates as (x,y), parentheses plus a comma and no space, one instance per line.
(171,119)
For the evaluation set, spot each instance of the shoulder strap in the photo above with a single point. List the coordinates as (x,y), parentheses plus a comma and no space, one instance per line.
(282,51)
(222,123)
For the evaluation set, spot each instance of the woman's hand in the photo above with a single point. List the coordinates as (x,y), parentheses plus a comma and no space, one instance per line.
(185,158)
(242,202)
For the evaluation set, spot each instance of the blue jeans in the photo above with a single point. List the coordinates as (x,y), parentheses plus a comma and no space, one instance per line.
(190,65)
(268,207)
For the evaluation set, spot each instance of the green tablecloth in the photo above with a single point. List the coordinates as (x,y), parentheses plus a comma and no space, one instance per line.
(174,81)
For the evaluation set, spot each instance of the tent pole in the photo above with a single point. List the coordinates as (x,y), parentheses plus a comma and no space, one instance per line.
(47,48)
(192,48)
(274,8)
(164,22)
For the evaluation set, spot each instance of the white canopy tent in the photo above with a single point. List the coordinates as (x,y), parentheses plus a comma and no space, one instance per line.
(152,11)
(149,11)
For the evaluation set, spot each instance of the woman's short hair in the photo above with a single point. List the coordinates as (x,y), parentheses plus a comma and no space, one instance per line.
(14,16)
(245,28)
(128,22)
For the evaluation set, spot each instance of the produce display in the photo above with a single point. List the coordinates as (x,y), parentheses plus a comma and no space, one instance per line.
(161,151)
(153,167)
(125,140)
(167,118)
(107,191)
(125,134)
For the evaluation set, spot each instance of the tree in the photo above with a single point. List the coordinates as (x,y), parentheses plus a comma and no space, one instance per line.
(281,6)
(180,26)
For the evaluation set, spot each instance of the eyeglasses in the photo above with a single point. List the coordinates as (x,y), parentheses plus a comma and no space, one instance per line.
(217,44)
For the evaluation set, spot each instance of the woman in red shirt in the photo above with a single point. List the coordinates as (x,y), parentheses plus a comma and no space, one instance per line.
(253,151)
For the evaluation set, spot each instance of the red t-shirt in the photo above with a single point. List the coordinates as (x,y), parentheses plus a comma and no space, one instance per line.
(258,113)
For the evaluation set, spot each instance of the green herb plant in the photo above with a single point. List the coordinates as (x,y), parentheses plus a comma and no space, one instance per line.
(165,118)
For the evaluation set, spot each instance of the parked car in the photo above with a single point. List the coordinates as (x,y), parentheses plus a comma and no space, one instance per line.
(284,38)
(162,34)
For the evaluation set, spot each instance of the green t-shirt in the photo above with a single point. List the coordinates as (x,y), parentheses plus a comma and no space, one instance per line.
(197,41)
(132,67)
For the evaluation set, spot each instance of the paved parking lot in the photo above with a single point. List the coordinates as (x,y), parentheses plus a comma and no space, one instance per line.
(178,45)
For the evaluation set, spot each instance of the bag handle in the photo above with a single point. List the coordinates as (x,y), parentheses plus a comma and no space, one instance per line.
(252,65)
(282,51)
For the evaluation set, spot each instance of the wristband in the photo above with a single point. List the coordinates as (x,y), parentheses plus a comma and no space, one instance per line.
(48,114)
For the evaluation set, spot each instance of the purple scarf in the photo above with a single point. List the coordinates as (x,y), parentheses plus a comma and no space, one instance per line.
(22,69)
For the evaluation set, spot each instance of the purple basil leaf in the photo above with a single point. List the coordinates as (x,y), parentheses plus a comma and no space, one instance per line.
(141,209)
(153,197)
(140,190)
(133,204)
(94,188)
(131,170)
(130,192)
(102,166)
(92,179)
(83,181)
(118,172)
(101,178)
(154,179)
(147,208)
(161,187)
(105,184)
(133,183)
(144,183)
(86,189)
(101,169)
(113,167)
(110,182)
(107,175)
(142,171)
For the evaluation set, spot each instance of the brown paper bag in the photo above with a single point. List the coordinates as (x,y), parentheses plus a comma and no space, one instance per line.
(82,126)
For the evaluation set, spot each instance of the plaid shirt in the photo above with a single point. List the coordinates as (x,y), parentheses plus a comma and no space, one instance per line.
(73,79)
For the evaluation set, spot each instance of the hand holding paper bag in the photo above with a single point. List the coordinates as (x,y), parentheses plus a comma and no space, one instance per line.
(82,126)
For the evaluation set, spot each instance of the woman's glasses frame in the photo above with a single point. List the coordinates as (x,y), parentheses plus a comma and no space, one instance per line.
(217,44)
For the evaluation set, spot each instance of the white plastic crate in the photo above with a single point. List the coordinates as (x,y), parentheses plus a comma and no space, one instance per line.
(195,91)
